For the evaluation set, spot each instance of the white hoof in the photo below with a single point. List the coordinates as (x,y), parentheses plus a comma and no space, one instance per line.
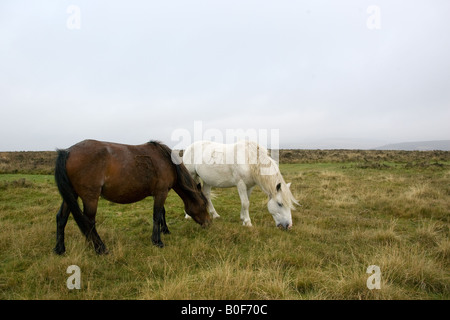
(247,223)
(215,215)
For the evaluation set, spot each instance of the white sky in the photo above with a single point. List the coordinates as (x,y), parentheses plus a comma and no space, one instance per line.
(139,70)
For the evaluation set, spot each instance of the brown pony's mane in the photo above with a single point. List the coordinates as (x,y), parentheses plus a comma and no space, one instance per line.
(184,179)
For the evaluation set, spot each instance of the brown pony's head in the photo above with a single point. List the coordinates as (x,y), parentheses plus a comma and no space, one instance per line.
(195,203)
(198,208)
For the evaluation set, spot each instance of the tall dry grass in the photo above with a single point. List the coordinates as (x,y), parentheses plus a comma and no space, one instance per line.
(350,217)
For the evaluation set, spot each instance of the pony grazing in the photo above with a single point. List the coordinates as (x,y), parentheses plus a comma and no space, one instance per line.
(244,164)
(123,174)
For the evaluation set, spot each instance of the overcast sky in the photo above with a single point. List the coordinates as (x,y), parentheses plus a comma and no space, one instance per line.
(326,74)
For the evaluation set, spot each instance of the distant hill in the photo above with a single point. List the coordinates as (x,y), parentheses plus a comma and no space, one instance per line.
(443,145)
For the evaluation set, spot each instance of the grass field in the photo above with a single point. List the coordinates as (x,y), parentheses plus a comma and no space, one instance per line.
(391,211)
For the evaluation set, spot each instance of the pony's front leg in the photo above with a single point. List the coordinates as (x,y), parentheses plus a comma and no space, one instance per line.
(243,194)
(164,227)
(159,220)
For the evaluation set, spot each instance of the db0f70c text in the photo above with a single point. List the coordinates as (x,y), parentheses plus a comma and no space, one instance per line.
(245,309)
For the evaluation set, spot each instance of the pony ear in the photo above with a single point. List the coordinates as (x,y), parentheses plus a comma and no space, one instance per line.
(278,187)
(288,185)
(199,187)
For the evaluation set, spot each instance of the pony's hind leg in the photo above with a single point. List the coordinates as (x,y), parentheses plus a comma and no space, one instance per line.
(89,211)
(207,193)
(196,178)
(61,221)
(244,195)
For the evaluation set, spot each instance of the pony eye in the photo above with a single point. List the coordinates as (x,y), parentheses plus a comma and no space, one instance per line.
(280,204)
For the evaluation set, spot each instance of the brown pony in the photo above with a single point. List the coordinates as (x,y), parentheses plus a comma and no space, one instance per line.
(123,174)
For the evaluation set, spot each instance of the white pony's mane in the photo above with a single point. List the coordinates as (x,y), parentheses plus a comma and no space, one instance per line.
(267,175)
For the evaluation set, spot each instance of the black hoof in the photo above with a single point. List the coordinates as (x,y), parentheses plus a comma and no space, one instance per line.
(59,250)
(101,250)
(159,244)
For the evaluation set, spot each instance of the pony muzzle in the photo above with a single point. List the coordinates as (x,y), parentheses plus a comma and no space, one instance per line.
(207,223)
(284,226)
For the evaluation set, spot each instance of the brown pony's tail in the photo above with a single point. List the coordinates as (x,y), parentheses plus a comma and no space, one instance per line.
(66,190)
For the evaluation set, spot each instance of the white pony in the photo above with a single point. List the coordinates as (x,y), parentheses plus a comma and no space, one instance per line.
(244,164)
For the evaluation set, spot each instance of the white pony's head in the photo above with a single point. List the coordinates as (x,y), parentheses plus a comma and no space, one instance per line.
(267,175)
(280,205)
